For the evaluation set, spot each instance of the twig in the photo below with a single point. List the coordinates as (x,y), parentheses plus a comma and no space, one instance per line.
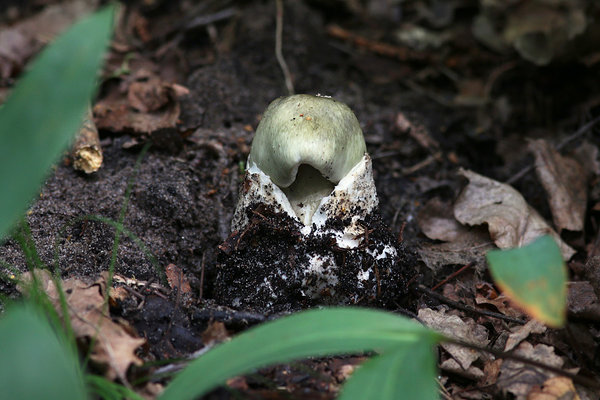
(201,277)
(422,164)
(453,275)
(278,53)
(516,177)
(591,383)
(384,49)
(467,308)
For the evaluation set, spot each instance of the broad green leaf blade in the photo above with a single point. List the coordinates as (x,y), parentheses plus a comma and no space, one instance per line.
(310,333)
(534,277)
(35,364)
(45,110)
(406,372)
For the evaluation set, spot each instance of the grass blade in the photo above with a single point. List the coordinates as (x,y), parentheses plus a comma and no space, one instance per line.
(310,333)
(407,372)
(35,364)
(45,110)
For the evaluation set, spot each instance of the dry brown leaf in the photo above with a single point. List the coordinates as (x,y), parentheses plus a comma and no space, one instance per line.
(486,294)
(521,333)
(511,221)
(451,365)
(20,41)
(147,105)
(464,245)
(520,379)
(455,327)
(470,248)
(491,370)
(582,301)
(565,182)
(436,221)
(177,279)
(557,388)
(115,344)
(215,333)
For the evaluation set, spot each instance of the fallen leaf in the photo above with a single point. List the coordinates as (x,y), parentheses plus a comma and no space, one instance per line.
(557,388)
(455,327)
(491,370)
(565,182)
(114,344)
(465,245)
(451,365)
(21,41)
(511,221)
(518,378)
(486,294)
(146,105)
(521,333)
(177,279)
(436,221)
(215,333)
(582,301)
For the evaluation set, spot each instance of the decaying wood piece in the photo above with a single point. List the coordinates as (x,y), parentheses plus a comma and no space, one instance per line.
(87,153)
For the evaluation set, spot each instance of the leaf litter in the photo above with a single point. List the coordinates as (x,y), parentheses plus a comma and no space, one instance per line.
(140,98)
(113,342)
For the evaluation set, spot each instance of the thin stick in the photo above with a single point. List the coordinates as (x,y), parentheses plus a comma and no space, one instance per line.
(516,177)
(453,275)
(467,308)
(202,277)
(278,53)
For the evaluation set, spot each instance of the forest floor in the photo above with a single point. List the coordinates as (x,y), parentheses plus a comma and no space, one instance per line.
(193,78)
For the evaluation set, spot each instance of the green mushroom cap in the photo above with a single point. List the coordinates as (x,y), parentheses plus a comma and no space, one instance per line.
(320,132)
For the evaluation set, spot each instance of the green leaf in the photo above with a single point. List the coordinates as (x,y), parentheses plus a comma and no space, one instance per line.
(45,110)
(35,364)
(534,277)
(406,372)
(306,334)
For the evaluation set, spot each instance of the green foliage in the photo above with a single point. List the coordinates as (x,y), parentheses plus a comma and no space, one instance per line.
(36,123)
(406,372)
(35,363)
(45,110)
(314,333)
(534,277)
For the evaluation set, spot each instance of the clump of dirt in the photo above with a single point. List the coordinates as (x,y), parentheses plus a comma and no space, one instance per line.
(271,266)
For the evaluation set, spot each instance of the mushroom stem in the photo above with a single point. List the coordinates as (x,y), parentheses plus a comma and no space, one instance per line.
(307,191)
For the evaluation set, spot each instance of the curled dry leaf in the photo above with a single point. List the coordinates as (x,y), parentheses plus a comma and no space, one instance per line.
(177,279)
(487,294)
(455,327)
(436,221)
(149,104)
(511,221)
(464,245)
(557,388)
(520,379)
(521,333)
(115,343)
(22,40)
(565,182)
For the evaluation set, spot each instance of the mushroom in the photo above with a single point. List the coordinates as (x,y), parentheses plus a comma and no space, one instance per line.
(306,145)
(309,160)
(306,228)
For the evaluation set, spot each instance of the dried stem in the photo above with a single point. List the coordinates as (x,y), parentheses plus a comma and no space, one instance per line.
(278,53)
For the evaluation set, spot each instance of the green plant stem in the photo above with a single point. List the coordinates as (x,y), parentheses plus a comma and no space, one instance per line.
(119,226)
